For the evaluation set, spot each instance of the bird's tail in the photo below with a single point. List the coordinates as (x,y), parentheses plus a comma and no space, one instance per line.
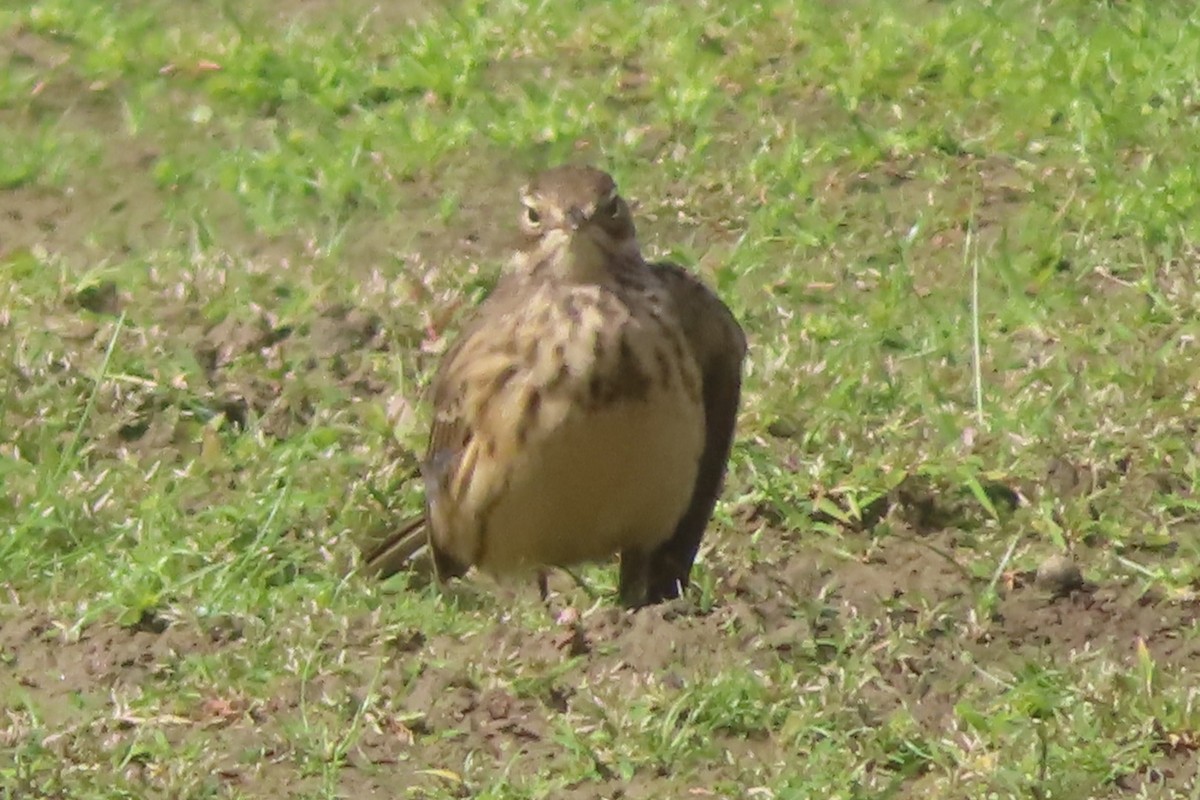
(397,550)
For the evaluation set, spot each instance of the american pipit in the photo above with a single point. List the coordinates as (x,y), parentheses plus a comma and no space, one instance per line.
(586,410)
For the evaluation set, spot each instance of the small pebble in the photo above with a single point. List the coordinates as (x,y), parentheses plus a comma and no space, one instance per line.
(1059,574)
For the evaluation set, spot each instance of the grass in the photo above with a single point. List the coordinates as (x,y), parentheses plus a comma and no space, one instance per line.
(962,239)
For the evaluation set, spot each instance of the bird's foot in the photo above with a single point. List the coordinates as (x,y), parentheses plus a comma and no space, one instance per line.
(572,640)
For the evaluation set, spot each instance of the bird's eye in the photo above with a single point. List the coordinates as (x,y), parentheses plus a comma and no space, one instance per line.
(532,215)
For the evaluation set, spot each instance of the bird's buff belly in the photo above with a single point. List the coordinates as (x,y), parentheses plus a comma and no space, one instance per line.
(594,484)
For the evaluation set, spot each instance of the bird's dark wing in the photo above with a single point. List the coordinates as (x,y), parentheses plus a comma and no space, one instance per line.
(719,346)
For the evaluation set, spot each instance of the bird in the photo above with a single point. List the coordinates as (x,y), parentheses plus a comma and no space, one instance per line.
(586,410)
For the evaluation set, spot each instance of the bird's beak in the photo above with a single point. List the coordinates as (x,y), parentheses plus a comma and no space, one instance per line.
(576,217)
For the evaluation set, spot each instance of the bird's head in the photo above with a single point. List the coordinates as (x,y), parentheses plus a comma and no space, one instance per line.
(574,217)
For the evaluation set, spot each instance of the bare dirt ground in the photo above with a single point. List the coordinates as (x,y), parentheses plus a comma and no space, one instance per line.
(442,716)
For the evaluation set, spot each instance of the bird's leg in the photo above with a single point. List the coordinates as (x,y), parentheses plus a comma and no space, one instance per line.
(634,584)
(582,584)
(543,584)
(571,637)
